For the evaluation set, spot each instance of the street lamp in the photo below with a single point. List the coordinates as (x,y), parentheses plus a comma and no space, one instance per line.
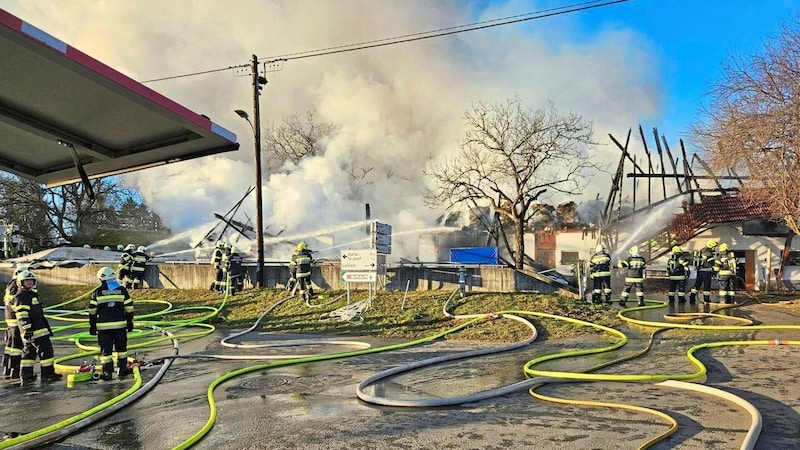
(258,82)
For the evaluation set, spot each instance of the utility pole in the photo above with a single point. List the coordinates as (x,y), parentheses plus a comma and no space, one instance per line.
(257,82)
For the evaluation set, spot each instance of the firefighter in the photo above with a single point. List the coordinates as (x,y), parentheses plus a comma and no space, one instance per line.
(35,330)
(725,266)
(634,276)
(12,353)
(233,267)
(704,261)
(678,271)
(138,266)
(600,270)
(300,267)
(125,263)
(216,262)
(110,319)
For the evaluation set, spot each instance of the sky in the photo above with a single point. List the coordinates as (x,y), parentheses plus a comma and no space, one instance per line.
(640,62)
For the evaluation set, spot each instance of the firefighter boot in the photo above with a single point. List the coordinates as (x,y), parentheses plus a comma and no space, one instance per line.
(608,299)
(693,297)
(13,369)
(641,301)
(671,299)
(6,365)
(595,298)
(681,299)
(49,374)
(108,369)
(27,375)
(124,370)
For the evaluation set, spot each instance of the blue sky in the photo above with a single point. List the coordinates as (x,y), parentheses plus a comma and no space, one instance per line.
(691,38)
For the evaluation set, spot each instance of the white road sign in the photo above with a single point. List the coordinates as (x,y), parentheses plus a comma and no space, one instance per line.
(359,277)
(359,260)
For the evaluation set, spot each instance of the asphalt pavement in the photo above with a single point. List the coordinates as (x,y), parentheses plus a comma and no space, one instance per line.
(314,405)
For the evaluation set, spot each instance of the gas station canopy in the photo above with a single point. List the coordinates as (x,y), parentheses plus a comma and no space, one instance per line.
(66,117)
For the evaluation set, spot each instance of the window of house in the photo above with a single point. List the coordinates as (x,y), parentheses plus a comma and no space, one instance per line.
(568,258)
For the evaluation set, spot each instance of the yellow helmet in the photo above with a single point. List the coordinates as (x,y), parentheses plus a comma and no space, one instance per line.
(634,250)
(712,243)
(600,248)
(234,249)
(677,249)
(723,247)
(302,245)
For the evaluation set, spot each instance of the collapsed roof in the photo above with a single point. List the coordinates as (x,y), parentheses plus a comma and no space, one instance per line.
(66,117)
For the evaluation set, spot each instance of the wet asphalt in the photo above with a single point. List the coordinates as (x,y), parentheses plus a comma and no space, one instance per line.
(314,405)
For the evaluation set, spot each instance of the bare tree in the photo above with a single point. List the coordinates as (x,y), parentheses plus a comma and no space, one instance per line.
(510,157)
(49,216)
(752,125)
(296,138)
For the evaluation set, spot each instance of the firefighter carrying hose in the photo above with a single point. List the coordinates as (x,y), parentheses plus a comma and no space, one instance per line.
(110,319)
(125,263)
(12,353)
(300,266)
(216,262)
(677,271)
(138,267)
(725,266)
(233,267)
(600,270)
(704,260)
(634,276)
(35,330)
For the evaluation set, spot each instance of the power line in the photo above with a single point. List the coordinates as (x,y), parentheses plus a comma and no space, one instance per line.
(561,10)
(440,30)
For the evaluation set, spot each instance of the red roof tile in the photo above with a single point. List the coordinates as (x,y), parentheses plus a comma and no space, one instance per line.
(714,209)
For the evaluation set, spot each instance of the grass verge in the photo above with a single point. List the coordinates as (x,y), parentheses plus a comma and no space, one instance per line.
(390,315)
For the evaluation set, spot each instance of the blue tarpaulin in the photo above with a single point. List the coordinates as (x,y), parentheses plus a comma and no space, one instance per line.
(474,255)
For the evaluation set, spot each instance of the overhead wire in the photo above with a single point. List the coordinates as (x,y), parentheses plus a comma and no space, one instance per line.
(447,31)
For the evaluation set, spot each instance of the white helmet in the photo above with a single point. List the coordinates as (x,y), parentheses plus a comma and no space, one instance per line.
(600,248)
(120,247)
(25,275)
(19,269)
(106,274)
(87,246)
(141,249)
(234,249)
(130,247)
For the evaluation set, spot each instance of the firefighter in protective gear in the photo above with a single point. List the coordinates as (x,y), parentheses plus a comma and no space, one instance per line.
(35,330)
(634,276)
(300,267)
(233,267)
(216,262)
(677,271)
(125,264)
(12,353)
(110,319)
(725,266)
(600,271)
(704,261)
(138,266)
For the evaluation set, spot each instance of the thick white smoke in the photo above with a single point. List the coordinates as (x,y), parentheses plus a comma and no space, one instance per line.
(395,107)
